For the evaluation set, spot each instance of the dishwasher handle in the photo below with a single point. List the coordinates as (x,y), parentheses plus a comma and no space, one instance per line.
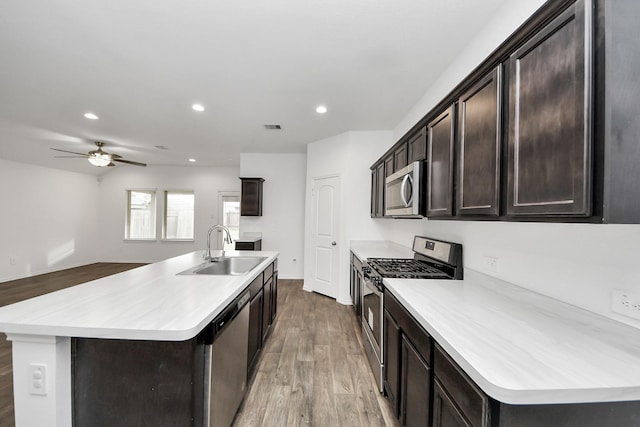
(230,313)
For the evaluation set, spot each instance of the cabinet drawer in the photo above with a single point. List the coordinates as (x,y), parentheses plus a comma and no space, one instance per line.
(420,339)
(467,397)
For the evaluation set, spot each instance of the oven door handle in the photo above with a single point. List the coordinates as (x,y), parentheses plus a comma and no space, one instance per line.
(403,190)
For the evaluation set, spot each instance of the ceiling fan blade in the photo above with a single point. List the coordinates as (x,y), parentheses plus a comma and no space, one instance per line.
(71,152)
(129,162)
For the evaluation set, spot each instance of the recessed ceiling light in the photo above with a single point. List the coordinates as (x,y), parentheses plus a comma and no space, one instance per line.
(197,107)
(321,109)
(192,160)
(91,116)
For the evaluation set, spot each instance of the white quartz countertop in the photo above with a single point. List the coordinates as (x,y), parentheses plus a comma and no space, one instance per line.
(364,249)
(524,348)
(149,303)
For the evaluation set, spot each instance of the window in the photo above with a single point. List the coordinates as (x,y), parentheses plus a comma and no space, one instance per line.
(230,218)
(141,215)
(178,215)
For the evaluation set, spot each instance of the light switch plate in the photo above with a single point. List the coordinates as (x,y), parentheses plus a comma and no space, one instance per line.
(38,379)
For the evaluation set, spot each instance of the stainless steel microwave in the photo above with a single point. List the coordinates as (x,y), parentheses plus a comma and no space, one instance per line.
(403,192)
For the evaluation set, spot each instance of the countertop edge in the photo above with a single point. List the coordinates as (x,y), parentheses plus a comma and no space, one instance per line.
(520,396)
(16,327)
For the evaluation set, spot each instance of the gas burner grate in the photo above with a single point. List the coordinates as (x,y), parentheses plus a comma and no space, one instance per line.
(405,268)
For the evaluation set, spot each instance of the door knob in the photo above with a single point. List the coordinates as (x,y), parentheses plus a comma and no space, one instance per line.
(333,243)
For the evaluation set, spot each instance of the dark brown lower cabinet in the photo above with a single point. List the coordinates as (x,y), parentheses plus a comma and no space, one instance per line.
(415,385)
(460,398)
(255,330)
(274,297)
(133,383)
(407,374)
(427,387)
(267,296)
(392,361)
(445,412)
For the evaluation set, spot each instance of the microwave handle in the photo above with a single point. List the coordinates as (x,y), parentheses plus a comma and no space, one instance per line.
(407,178)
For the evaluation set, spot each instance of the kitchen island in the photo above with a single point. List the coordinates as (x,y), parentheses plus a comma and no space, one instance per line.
(150,303)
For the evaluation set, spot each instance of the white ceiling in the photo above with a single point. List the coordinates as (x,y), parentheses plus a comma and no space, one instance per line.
(140,65)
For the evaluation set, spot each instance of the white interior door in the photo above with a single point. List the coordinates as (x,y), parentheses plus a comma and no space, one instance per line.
(324,235)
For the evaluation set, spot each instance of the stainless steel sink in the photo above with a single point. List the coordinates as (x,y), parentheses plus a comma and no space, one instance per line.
(226,266)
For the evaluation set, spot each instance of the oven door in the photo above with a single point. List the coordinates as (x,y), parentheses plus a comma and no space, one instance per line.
(372,305)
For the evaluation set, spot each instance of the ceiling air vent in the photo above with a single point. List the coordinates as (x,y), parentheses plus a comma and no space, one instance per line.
(272,127)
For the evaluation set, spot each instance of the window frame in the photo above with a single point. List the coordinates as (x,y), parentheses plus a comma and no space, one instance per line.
(164,237)
(127,226)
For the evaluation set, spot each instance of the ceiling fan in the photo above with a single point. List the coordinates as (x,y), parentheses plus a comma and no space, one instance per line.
(100,158)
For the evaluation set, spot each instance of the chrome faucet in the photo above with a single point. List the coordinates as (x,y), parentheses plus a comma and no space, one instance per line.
(227,238)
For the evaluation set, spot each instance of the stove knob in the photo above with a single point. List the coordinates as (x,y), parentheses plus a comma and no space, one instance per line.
(366,270)
(377,281)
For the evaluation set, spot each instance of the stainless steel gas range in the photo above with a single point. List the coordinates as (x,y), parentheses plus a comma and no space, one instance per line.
(433,259)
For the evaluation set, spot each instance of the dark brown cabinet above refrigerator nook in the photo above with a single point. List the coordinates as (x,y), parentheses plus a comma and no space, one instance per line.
(251,197)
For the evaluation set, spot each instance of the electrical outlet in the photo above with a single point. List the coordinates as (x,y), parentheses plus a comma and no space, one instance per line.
(491,263)
(38,379)
(626,303)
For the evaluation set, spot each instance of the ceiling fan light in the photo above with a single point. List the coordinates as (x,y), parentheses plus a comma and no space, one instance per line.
(99,160)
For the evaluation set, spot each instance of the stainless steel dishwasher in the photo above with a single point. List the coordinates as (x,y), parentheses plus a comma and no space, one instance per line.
(226,363)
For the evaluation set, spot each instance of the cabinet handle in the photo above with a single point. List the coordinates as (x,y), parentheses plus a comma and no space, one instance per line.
(333,243)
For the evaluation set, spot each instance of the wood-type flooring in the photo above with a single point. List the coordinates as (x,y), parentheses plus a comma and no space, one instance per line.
(312,372)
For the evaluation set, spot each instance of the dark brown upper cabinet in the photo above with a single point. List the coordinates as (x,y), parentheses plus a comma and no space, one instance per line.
(550,145)
(377,190)
(388,165)
(440,164)
(417,146)
(400,157)
(479,147)
(251,197)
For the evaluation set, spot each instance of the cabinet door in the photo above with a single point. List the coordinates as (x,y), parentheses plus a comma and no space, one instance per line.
(549,150)
(415,390)
(251,197)
(445,413)
(266,308)
(440,165)
(388,166)
(417,146)
(255,330)
(479,146)
(274,297)
(400,157)
(374,191)
(392,361)
(380,188)
(358,302)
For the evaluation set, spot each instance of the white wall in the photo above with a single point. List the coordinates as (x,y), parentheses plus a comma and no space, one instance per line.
(349,156)
(47,219)
(206,182)
(576,263)
(282,220)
